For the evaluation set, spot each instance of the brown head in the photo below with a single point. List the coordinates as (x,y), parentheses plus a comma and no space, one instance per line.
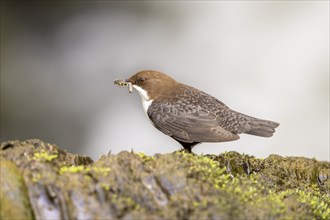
(154,83)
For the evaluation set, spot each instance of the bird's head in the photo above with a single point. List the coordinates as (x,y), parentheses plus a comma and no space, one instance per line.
(152,84)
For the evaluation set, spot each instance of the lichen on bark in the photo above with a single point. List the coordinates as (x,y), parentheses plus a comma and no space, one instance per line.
(54,184)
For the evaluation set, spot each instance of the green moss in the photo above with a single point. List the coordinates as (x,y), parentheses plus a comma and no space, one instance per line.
(36,177)
(175,186)
(73,169)
(201,204)
(122,204)
(101,170)
(104,171)
(105,186)
(44,156)
(318,203)
(144,157)
(250,191)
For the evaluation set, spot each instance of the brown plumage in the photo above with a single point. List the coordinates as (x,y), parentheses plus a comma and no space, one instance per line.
(191,116)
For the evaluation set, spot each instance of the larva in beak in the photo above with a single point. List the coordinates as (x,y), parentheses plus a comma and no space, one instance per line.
(130,87)
(122,83)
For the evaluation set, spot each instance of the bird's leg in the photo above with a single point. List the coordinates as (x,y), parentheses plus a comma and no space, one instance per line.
(186,150)
(187,147)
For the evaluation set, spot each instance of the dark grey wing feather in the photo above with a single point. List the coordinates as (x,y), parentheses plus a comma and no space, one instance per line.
(194,116)
(188,122)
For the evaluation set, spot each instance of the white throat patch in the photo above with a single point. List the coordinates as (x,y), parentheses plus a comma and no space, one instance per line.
(146,102)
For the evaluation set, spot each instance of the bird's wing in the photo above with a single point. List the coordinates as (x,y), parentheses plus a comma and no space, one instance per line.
(188,123)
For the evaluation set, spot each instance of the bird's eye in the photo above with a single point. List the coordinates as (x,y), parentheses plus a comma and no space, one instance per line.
(140,80)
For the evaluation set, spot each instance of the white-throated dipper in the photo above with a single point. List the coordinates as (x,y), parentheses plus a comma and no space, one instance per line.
(191,116)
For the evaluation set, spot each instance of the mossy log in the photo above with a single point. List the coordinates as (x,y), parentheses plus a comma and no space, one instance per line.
(41,181)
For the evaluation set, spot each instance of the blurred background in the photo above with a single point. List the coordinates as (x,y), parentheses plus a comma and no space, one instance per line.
(266,59)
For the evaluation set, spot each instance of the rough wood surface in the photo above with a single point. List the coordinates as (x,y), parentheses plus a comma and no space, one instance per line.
(41,181)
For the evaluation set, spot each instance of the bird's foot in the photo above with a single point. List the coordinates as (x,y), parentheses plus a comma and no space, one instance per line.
(185,150)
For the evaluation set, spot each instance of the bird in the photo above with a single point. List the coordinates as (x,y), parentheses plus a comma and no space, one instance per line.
(189,115)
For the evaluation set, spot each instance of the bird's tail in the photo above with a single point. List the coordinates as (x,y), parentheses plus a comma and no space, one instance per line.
(260,127)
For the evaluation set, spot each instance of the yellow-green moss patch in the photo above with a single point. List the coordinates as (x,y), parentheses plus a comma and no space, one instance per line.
(44,156)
